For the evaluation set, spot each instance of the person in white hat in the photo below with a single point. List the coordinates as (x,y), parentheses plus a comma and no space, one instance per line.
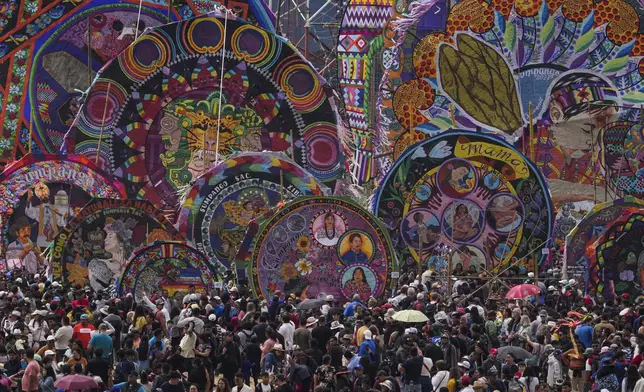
(49,346)
(324,309)
(38,327)
(10,322)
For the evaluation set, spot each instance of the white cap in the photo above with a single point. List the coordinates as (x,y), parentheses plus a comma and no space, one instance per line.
(212,317)
(329,298)
(18,280)
(37,276)
(49,352)
(572,282)
(51,337)
(551,288)
(55,284)
(530,275)
(368,335)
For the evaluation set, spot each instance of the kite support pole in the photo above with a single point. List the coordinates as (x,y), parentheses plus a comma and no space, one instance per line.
(89,51)
(138,19)
(31,129)
(451,115)
(221,83)
(100,136)
(531,132)
(292,146)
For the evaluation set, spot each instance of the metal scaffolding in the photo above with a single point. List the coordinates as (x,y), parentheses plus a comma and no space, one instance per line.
(312,26)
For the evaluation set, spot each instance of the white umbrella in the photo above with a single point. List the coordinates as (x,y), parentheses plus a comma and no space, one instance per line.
(410,316)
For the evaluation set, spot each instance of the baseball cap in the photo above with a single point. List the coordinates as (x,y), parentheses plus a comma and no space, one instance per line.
(368,335)
(465,378)
(494,351)
(84,317)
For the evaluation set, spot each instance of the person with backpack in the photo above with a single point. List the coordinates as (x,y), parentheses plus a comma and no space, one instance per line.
(131,385)
(125,366)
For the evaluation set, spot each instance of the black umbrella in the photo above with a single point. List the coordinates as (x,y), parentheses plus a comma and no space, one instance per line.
(518,352)
(310,304)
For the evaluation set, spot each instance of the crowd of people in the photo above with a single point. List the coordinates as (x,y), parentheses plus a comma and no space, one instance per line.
(230,341)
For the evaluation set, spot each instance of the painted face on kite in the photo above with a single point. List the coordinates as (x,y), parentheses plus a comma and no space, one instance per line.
(223,202)
(285,258)
(62,186)
(488,225)
(96,245)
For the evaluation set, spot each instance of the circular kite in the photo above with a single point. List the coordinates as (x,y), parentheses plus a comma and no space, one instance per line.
(222,202)
(471,192)
(617,260)
(318,246)
(40,195)
(585,236)
(96,245)
(59,74)
(174,109)
(169,265)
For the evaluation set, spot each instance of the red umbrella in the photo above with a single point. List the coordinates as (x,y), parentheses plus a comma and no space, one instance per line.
(75,382)
(522,291)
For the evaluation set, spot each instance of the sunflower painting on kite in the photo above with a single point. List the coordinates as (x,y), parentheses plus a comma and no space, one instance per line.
(172,113)
(222,203)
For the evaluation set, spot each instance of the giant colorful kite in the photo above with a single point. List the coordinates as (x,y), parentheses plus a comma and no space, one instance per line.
(317,246)
(583,239)
(221,203)
(571,68)
(165,93)
(168,265)
(40,194)
(617,260)
(44,57)
(95,246)
(471,192)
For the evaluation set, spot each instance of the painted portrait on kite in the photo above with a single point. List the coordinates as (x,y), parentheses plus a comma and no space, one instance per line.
(95,246)
(358,280)
(328,228)
(420,229)
(42,194)
(284,254)
(355,247)
(580,104)
(505,214)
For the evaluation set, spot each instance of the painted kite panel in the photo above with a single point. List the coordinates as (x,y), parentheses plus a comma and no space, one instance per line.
(167,265)
(221,203)
(165,94)
(40,195)
(95,246)
(469,192)
(318,246)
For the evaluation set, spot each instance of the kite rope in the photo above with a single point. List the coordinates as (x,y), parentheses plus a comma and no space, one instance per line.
(221,85)
(138,18)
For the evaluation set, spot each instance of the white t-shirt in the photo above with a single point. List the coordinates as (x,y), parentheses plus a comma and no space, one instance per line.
(287,330)
(263,388)
(427,366)
(440,379)
(245,388)
(63,336)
